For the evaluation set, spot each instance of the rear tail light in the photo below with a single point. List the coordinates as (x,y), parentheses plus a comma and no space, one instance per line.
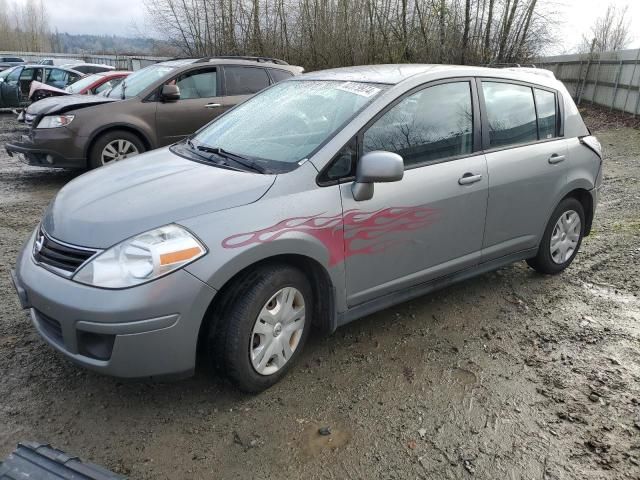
(593,144)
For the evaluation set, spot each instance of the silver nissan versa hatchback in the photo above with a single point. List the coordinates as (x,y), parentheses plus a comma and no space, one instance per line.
(322,199)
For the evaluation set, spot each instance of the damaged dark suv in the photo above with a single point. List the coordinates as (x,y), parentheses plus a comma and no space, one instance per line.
(154,107)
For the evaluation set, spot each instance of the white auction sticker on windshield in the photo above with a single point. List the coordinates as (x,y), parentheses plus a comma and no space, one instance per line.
(362,89)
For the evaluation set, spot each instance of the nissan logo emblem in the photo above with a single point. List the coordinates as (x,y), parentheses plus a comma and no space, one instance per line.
(39,243)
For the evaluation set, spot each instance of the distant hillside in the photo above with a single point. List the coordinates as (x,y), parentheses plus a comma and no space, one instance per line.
(108,45)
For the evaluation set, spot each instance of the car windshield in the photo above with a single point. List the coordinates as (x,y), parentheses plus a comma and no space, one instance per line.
(5,73)
(139,81)
(83,83)
(288,121)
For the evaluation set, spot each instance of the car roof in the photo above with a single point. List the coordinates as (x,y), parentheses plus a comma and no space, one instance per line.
(79,64)
(231,60)
(393,74)
(112,73)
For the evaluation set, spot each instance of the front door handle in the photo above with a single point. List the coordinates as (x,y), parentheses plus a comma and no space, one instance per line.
(213,105)
(469,178)
(555,158)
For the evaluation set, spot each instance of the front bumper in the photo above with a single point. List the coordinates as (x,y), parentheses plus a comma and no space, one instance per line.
(50,147)
(146,331)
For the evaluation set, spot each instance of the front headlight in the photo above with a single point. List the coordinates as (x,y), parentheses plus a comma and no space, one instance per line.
(55,121)
(142,258)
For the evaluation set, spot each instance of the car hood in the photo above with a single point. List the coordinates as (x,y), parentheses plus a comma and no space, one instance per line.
(62,104)
(108,205)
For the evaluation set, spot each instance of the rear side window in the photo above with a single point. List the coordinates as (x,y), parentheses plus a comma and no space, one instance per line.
(432,124)
(57,75)
(279,75)
(245,80)
(546,107)
(511,113)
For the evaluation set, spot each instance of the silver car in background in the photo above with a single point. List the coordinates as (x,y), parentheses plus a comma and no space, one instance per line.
(322,199)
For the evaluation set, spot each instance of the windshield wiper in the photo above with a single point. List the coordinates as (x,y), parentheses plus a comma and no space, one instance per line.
(124,87)
(239,159)
(196,151)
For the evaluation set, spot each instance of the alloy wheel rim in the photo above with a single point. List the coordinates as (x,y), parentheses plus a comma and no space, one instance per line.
(118,150)
(565,237)
(277,331)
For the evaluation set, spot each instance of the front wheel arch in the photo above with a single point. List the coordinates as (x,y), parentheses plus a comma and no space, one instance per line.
(104,131)
(324,315)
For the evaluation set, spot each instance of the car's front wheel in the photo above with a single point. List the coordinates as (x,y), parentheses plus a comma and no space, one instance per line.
(262,327)
(562,238)
(114,146)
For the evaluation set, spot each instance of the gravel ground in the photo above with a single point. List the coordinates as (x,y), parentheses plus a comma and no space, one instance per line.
(511,375)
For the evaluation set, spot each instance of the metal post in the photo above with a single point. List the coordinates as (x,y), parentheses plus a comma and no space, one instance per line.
(633,73)
(584,80)
(586,75)
(595,86)
(635,111)
(615,89)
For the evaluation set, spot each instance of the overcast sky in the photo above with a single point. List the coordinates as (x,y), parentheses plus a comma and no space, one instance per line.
(127,18)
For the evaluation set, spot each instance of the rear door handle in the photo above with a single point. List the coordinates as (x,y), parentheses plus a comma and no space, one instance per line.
(555,158)
(469,178)
(213,105)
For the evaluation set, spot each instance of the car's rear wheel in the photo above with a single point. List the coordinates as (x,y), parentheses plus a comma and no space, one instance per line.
(114,146)
(562,238)
(262,327)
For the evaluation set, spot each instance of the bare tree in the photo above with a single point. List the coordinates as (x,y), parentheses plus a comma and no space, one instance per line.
(331,33)
(611,31)
(24,26)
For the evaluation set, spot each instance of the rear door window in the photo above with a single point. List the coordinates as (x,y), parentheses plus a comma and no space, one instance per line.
(245,80)
(546,108)
(279,75)
(511,114)
(57,76)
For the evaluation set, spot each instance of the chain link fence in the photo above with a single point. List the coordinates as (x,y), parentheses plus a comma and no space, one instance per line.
(609,79)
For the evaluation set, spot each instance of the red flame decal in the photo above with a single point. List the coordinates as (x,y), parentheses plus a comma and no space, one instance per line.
(341,233)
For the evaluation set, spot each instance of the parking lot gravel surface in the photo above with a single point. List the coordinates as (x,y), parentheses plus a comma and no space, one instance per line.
(511,375)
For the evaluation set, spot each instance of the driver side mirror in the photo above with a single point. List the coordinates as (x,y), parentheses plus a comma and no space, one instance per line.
(170,93)
(376,167)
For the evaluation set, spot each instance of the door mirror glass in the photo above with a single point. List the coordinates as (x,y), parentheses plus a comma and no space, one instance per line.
(170,93)
(374,167)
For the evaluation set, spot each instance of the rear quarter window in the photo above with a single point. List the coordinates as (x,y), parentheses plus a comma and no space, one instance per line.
(547,113)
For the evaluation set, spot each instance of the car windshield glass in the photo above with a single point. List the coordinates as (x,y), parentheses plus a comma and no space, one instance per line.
(139,81)
(288,121)
(5,73)
(83,83)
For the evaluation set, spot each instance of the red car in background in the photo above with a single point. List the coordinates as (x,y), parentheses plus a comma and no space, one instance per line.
(90,85)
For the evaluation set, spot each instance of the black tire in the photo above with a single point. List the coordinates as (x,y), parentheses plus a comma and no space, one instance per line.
(230,337)
(106,138)
(543,261)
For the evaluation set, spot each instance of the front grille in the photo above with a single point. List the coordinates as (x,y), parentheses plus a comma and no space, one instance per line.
(50,326)
(53,253)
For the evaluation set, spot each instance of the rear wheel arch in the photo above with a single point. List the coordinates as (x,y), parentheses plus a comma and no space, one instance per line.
(585,198)
(324,311)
